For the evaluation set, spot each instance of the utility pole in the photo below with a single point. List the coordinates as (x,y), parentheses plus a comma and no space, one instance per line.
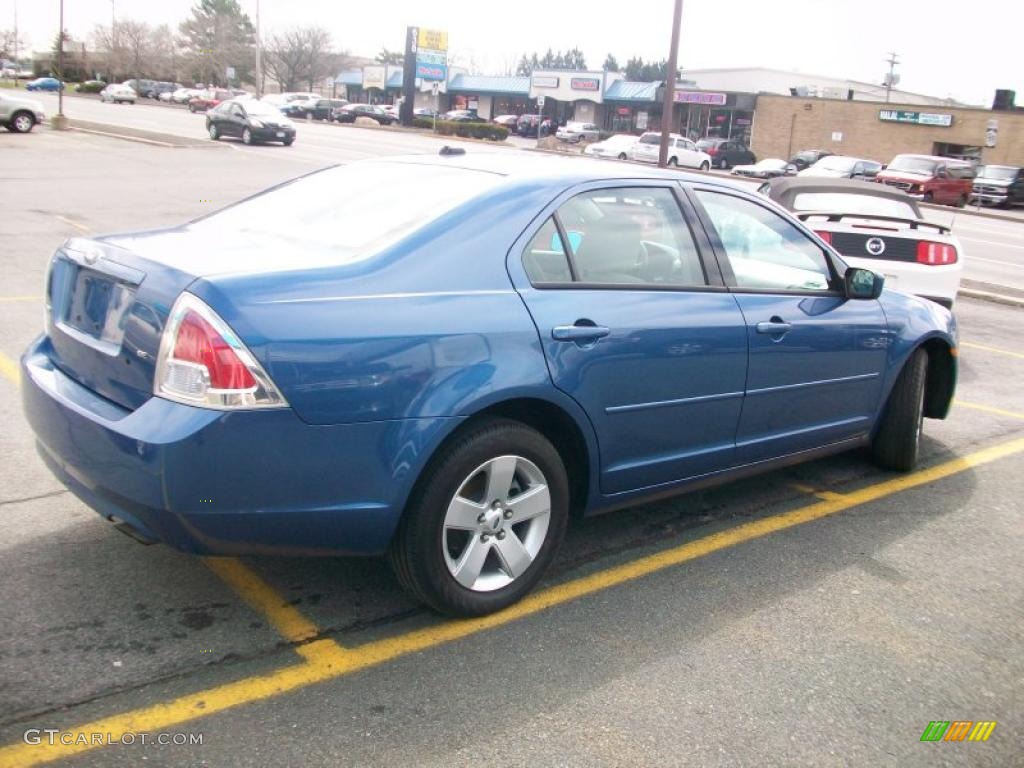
(259,55)
(59,122)
(891,79)
(670,86)
(113,41)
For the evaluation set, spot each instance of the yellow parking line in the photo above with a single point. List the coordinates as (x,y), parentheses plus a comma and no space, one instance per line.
(77,225)
(812,491)
(326,661)
(285,618)
(9,369)
(7,299)
(987,348)
(988,409)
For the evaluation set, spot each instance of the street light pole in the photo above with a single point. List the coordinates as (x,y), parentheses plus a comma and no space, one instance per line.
(60,63)
(670,85)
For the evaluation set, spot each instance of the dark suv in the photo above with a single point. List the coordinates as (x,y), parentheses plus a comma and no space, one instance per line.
(1001,185)
(808,157)
(725,153)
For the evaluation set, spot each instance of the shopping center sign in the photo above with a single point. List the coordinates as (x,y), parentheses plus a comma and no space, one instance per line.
(431,54)
(915,118)
(699,97)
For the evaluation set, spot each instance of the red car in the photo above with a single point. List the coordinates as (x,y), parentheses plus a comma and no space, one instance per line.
(930,179)
(209,100)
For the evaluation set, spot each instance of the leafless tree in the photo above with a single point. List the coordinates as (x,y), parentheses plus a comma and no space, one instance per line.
(10,43)
(299,56)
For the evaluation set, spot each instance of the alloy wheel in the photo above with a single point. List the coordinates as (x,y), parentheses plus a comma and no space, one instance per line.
(496,523)
(23,123)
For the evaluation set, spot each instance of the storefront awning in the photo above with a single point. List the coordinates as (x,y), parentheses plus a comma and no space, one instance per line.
(513,86)
(627,90)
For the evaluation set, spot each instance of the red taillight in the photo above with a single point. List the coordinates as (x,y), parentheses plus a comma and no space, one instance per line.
(199,343)
(826,236)
(935,254)
(712,151)
(203,363)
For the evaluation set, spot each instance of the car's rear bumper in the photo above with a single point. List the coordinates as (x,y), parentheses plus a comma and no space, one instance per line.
(273,134)
(987,198)
(214,482)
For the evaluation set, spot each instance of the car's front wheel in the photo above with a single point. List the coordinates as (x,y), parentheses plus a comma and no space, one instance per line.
(247,136)
(898,439)
(705,166)
(484,523)
(22,122)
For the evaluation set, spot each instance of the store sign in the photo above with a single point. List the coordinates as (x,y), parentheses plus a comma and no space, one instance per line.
(431,54)
(622,111)
(374,77)
(585,84)
(699,97)
(545,81)
(915,118)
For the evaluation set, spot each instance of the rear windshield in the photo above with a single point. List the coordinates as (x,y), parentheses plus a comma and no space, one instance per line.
(351,211)
(1001,172)
(921,165)
(841,202)
(836,163)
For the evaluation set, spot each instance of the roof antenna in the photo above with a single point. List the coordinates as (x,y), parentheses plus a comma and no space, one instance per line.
(447,151)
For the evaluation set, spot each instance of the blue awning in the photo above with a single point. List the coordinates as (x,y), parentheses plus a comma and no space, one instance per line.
(462,83)
(627,90)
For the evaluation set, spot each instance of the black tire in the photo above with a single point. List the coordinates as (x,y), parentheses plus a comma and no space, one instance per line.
(927,197)
(213,131)
(21,122)
(961,202)
(416,554)
(622,155)
(723,164)
(247,137)
(898,439)
(288,142)
(192,108)
(705,166)
(672,162)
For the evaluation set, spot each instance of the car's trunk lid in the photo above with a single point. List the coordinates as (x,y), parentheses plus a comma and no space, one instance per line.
(106,309)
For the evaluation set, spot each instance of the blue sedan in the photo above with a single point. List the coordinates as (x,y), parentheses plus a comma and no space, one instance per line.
(44,84)
(445,358)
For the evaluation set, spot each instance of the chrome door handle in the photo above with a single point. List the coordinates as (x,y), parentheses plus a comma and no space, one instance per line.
(773,327)
(579,332)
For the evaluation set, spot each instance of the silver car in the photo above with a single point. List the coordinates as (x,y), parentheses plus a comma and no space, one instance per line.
(20,115)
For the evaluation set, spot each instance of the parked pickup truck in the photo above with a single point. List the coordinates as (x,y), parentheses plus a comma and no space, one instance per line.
(1001,185)
(930,179)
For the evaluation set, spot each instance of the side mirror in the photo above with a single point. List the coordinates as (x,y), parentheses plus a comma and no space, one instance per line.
(863,283)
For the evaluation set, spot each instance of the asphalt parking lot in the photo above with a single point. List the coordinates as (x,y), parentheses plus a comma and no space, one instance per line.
(821,615)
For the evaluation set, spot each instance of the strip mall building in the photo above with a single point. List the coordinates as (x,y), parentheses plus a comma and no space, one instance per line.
(776,112)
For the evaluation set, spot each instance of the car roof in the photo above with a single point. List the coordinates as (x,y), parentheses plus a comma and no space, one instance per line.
(936,158)
(783,191)
(528,166)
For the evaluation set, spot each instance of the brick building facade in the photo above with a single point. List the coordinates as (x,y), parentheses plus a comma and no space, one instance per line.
(783,125)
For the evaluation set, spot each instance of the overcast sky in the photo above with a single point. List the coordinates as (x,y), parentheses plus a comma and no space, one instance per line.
(938,41)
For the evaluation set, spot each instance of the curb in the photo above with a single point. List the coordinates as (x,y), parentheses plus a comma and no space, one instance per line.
(152,138)
(994,298)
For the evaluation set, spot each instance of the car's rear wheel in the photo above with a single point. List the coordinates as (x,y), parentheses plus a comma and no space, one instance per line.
(898,439)
(484,522)
(22,122)
(723,164)
(622,155)
(247,136)
(214,133)
(705,166)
